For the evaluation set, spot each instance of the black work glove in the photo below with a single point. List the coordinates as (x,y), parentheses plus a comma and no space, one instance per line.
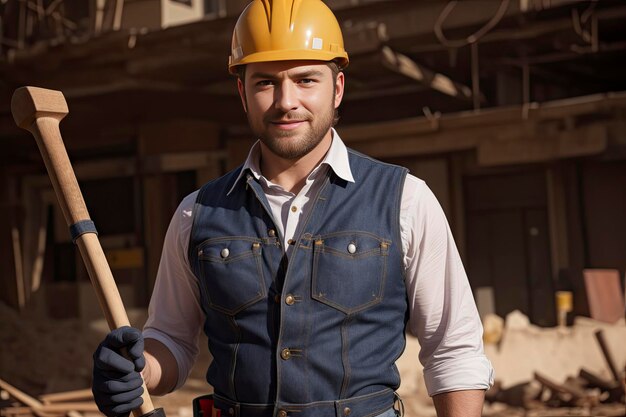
(117,383)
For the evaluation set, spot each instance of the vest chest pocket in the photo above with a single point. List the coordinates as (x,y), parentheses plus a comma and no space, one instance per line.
(232,273)
(349,270)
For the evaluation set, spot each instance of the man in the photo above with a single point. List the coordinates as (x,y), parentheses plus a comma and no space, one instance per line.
(305,265)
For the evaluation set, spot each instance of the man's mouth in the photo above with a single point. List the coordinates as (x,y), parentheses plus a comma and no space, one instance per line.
(287,124)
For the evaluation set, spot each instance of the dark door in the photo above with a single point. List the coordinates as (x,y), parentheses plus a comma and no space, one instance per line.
(508,243)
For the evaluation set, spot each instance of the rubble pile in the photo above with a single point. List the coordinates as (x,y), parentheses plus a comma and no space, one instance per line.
(562,371)
(41,355)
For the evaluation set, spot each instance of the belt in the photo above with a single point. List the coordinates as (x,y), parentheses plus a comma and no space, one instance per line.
(370,405)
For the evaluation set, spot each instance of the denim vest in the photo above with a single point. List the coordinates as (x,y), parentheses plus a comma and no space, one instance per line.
(316,334)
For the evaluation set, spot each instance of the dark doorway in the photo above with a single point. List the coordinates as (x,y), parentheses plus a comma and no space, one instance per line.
(508,242)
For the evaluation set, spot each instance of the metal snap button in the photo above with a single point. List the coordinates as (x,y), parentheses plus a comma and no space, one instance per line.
(346,411)
(285,354)
(271,233)
(352,248)
(290,299)
(224,253)
(282,413)
(231,411)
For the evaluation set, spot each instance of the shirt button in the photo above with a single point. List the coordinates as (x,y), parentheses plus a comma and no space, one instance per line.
(352,248)
(224,253)
(294,209)
(271,233)
(291,241)
(285,354)
(346,411)
(282,413)
(277,298)
(290,299)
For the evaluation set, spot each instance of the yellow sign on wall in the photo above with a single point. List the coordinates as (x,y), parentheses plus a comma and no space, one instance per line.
(127,258)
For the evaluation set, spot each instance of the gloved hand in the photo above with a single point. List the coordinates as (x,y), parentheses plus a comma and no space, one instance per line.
(117,384)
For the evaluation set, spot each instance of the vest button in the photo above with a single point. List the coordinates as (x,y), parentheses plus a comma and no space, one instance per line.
(271,232)
(346,411)
(285,354)
(224,253)
(290,300)
(282,413)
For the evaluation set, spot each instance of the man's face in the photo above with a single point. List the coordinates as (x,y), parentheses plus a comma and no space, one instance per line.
(290,104)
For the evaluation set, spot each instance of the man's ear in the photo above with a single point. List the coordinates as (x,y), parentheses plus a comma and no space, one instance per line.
(339,88)
(242,94)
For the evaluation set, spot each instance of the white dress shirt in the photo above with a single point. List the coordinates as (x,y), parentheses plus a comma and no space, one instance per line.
(443,315)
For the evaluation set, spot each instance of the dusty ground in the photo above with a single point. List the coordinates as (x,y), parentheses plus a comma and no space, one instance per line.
(40,355)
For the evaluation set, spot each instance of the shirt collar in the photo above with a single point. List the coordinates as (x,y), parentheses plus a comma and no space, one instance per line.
(336,158)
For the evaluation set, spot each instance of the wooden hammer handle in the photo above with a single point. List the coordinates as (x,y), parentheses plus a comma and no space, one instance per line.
(40,111)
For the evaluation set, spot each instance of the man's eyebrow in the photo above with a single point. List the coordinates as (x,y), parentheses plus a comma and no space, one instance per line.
(303,74)
(309,73)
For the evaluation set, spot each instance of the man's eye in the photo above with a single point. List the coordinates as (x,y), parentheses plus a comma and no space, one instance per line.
(307,81)
(264,83)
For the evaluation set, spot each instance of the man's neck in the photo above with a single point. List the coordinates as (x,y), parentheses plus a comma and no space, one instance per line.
(290,174)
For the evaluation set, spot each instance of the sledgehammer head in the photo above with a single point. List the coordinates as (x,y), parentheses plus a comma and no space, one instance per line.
(30,103)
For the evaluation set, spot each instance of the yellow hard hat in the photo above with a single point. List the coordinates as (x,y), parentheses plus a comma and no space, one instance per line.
(281,30)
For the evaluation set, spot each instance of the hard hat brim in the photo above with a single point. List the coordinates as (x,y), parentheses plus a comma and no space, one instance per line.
(290,55)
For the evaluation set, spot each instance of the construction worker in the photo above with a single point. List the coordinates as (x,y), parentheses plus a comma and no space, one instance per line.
(306,265)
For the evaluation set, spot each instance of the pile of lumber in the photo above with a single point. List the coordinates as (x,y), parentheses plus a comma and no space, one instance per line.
(587,390)
(16,403)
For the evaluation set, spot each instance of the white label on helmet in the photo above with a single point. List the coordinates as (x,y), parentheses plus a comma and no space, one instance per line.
(237,52)
(317,43)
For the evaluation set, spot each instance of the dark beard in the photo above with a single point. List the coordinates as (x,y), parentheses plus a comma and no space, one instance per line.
(306,144)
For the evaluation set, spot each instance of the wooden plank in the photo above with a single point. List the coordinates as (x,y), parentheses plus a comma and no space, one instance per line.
(604,294)
(82,394)
(24,398)
(65,407)
(11,284)
(607,355)
(487,118)
(421,145)
(404,65)
(588,140)
(560,388)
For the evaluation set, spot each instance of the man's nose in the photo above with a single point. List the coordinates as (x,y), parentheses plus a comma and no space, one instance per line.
(286,98)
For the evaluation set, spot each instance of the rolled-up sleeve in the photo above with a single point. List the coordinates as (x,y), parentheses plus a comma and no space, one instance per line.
(443,314)
(175,316)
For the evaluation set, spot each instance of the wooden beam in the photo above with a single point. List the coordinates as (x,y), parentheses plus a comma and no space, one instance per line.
(24,398)
(82,394)
(486,118)
(528,148)
(404,65)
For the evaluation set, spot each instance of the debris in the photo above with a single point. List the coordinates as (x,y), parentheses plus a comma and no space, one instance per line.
(493,327)
(26,405)
(607,354)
